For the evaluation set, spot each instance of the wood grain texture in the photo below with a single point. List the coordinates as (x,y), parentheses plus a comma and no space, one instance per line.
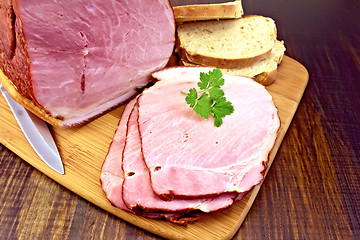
(83,151)
(312,188)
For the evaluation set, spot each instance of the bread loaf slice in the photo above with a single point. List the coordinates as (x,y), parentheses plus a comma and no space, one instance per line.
(200,12)
(234,43)
(263,71)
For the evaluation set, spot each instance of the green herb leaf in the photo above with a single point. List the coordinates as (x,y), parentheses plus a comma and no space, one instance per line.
(203,106)
(216,79)
(204,81)
(217,120)
(222,107)
(191,97)
(216,92)
(212,101)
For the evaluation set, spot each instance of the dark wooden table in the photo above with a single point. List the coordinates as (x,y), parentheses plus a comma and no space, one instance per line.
(312,190)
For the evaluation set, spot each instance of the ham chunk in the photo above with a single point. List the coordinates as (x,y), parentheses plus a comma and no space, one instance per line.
(76,60)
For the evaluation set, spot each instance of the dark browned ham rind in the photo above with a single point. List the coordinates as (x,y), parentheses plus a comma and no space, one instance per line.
(14,59)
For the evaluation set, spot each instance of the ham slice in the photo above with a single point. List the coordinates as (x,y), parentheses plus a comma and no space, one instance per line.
(112,174)
(137,192)
(186,155)
(75,60)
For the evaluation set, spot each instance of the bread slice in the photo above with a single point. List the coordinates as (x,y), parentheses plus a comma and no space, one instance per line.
(234,43)
(263,71)
(200,12)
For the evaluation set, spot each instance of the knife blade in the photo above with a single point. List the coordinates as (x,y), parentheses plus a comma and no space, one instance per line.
(37,133)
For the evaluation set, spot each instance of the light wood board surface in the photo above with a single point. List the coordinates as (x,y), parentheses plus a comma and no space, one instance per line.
(83,151)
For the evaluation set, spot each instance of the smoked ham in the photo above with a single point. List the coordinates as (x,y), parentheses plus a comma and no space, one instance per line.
(71,61)
(167,162)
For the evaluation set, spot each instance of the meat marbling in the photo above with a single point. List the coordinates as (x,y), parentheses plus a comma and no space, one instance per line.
(78,59)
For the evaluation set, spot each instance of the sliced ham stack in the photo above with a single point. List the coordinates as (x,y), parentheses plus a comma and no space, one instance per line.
(167,162)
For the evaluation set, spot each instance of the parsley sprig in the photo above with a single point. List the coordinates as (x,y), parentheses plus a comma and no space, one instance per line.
(211,101)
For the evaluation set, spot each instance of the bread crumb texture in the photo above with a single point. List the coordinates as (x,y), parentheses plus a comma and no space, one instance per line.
(245,37)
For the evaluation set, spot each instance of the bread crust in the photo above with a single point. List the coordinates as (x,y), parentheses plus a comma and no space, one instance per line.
(221,62)
(201,12)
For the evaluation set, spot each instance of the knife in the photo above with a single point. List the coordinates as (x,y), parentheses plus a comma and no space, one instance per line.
(37,133)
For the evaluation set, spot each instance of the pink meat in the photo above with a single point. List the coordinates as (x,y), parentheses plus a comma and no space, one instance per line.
(112,177)
(137,192)
(89,56)
(186,155)
(112,174)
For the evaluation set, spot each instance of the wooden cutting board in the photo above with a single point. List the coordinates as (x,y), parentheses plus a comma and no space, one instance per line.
(83,151)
